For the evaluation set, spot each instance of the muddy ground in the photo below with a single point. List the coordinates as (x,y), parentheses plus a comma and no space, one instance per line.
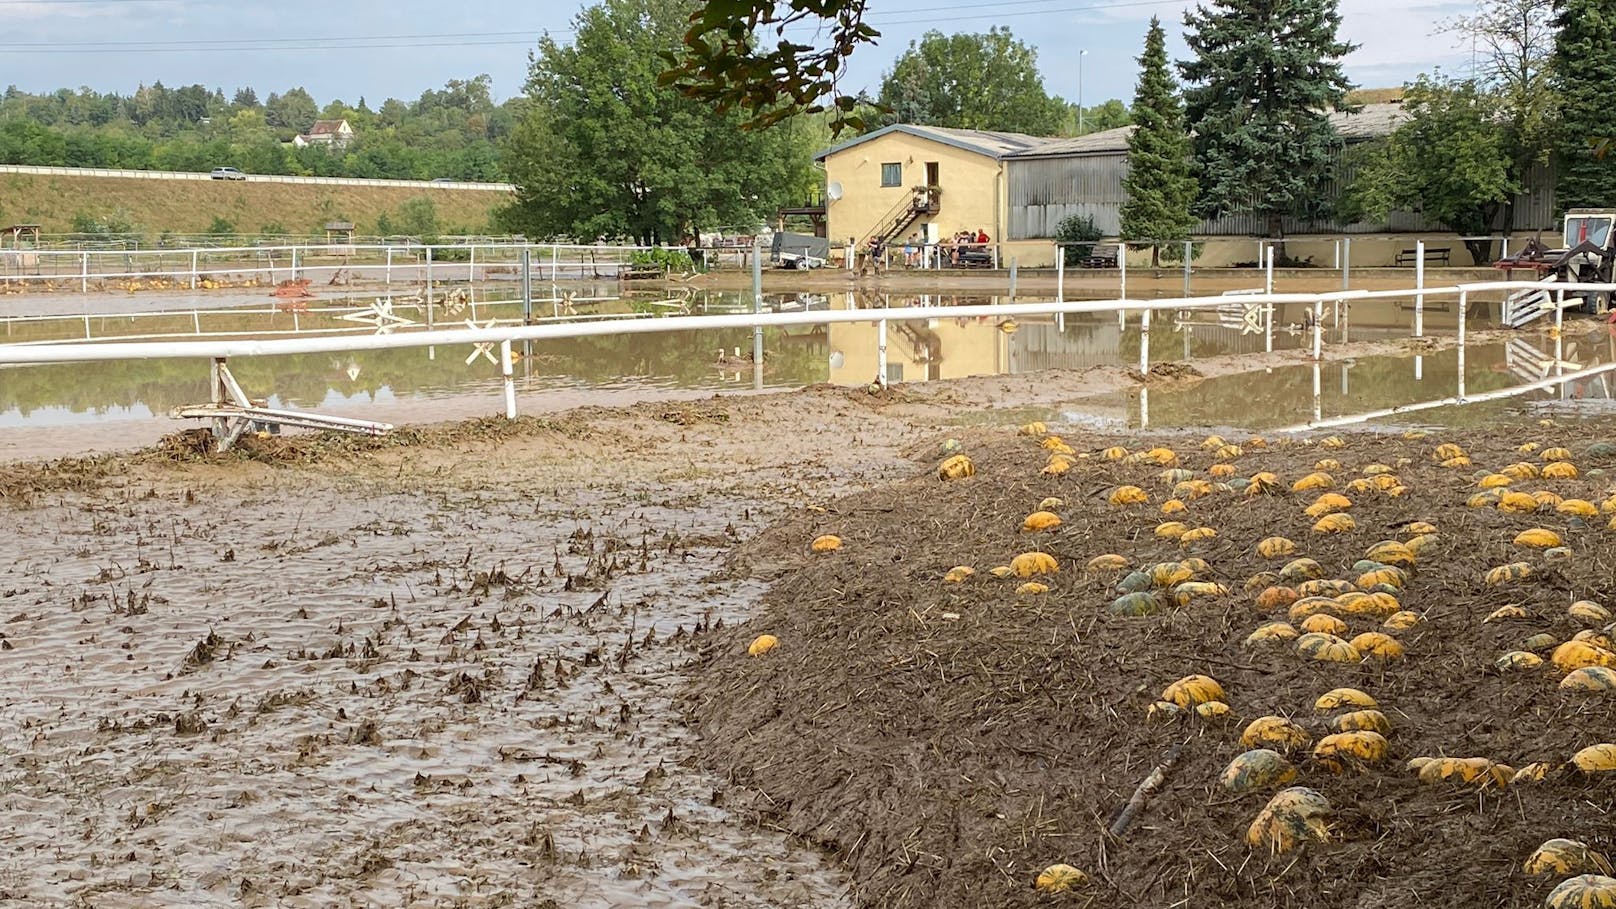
(464,666)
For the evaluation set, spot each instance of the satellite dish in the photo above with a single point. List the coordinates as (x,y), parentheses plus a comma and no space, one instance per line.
(833,191)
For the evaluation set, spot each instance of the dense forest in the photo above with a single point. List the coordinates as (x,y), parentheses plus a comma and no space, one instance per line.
(452,133)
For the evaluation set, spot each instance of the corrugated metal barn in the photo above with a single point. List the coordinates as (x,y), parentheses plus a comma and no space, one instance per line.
(1083,176)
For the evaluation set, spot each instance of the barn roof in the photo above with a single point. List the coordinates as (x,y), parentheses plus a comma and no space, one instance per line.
(979,141)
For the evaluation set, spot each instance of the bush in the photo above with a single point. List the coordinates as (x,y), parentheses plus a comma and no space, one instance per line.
(114,223)
(1080,230)
(221,227)
(668,260)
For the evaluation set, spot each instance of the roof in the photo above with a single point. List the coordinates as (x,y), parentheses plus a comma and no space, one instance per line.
(326,127)
(1372,121)
(979,141)
(1108,141)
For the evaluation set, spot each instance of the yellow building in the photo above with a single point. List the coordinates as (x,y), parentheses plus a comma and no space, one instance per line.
(925,181)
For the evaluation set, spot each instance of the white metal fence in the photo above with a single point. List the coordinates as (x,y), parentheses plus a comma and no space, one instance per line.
(253,178)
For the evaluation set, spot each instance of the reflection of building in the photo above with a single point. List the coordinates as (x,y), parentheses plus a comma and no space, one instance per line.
(917,350)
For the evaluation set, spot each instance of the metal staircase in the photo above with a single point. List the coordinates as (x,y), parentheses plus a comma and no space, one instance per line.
(919,202)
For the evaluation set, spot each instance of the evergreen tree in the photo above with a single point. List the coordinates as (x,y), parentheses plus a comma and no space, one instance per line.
(1159,185)
(1585,71)
(1264,76)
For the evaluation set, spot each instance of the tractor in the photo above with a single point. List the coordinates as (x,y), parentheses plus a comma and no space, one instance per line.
(1588,257)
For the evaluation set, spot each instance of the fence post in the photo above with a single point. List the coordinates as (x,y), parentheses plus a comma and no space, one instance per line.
(1419,285)
(1012,279)
(1060,273)
(388,274)
(510,381)
(1189,250)
(1346,263)
(527,285)
(1268,272)
(295,274)
(1318,391)
(555,262)
(1122,269)
(757,300)
(471,269)
(429,308)
(84,271)
(193,269)
(881,353)
(1462,317)
(1144,342)
(1318,329)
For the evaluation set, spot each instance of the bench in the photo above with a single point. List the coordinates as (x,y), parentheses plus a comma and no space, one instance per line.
(1103,255)
(975,257)
(1439,254)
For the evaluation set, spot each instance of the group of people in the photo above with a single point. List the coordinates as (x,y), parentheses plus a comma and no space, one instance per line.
(914,248)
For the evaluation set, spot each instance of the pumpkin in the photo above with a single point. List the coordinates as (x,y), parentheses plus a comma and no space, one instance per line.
(1532,773)
(1273,631)
(1521,471)
(827,543)
(1555,454)
(1301,570)
(1292,817)
(1164,710)
(1507,613)
(1337,698)
(957,468)
(1323,623)
(1517,661)
(1192,489)
(1275,732)
(1058,465)
(1585,891)
(1560,470)
(1595,759)
(1184,593)
(1389,575)
(1259,768)
(1108,562)
(1588,612)
(1051,503)
(958,574)
(1546,498)
(1327,464)
(1059,879)
(1032,587)
(1262,579)
(1166,457)
(1212,709)
(1504,574)
(1377,644)
(1590,678)
(1228,453)
(1275,547)
(1310,606)
(1198,535)
(1560,856)
(1212,442)
(1329,503)
(1057,445)
(1527,447)
(1362,485)
(1420,528)
(1597,638)
(1221,470)
(1263,482)
(1538,538)
(1173,506)
(1482,771)
(1114,453)
(1029,564)
(1195,565)
(1540,641)
(1316,480)
(1040,521)
(1458,463)
(762,644)
(1035,428)
(1128,495)
(1340,522)
(1324,587)
(1578,508)
(1338,751)
(1575,654)
(1487,498)
(1418,544)
(1401,620)
(1360,720)
(1391,552)
(1447,451)
(1273,598)
(1517,503)
(1136,604)
(1494,481)
(1134,582)
(1194,689)
(1332,442)
(1327,648)
(1386,603)
(1002,571)
(1175,475)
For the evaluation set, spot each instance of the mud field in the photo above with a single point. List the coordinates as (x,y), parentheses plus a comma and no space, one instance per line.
(467,665)
(948,741)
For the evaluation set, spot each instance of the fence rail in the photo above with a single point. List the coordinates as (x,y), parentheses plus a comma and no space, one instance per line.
(252,178)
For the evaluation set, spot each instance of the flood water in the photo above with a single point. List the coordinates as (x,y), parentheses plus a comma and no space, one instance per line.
(116,404)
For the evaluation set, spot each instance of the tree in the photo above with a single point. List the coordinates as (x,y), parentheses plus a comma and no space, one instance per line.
(1264,75)
(1159,185)
(295,110)
(603,150)
(1448,160)
(983,81)
(727,60)
(1584,72)
(1103,116)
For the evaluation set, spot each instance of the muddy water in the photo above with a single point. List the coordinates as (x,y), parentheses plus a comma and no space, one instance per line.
(312,697)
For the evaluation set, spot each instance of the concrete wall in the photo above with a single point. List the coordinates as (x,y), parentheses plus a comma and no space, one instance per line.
(971,195)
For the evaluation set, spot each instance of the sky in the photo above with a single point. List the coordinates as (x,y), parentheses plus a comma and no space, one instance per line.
(350,49)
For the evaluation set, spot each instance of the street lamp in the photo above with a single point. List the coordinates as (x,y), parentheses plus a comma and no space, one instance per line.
(1080,55)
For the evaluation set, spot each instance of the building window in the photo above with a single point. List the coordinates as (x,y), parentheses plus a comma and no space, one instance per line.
(892,175)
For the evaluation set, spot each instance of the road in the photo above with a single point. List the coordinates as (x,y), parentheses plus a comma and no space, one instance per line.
(254,178)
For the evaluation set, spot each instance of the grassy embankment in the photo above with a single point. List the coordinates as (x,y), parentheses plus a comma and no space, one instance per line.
(157,206)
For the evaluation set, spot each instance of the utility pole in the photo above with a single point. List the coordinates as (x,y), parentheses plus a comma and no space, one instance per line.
(1080,55)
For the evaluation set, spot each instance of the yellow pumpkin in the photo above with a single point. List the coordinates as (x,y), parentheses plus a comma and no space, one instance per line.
(957,468)
(1417,544)
(1275,732)
(1538,538)
(1263,482)
(1588,612)
(1517,503)
(1517,661)
(1323,623)
(1390,576)
(1575,654)
(1051,503)
(1164,457)
(1292,817)
(1338,751)
(1391,552)
(1362,485)
(1420,528)
(1521,471)
(1560,470)
(1190,591)
(762,644)
(1332,442)
(1221,470)
(1114,453)
(829,542)
(1532,773)
(1029,564)
(1447,451)
(1212,709)
(1228,453)
(1194,689)
(1273,631)
(1002,571)
(1258,768)
(1129,495)
(1192,489)
(1487,498)
(1057,445)
(1401,621)
(1379,645)
(1547,499)
(1273,598)
(1505,574)
(1310,606)
(1275,547)
(1595,759)
(1590,678)
(1494,481)
(1032,587)
(1360,720)
(1198,535)
(1578,508)
(1527,447)
(1585,891)
(1562,856)
(1457,463)
(1173,506)
(1465,770)
(1170,574)
(1338,698)
(1059,879)
(1317,480)
(1301,570)
(1340,522)
(1597,638)
(1327,464)
(1556,454)
(1329,503)
(1212,442)
(1327,648)
(1040,521)
(1507,613)
(1058,465)
(1035,428)
(1108,562)
(958,574)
